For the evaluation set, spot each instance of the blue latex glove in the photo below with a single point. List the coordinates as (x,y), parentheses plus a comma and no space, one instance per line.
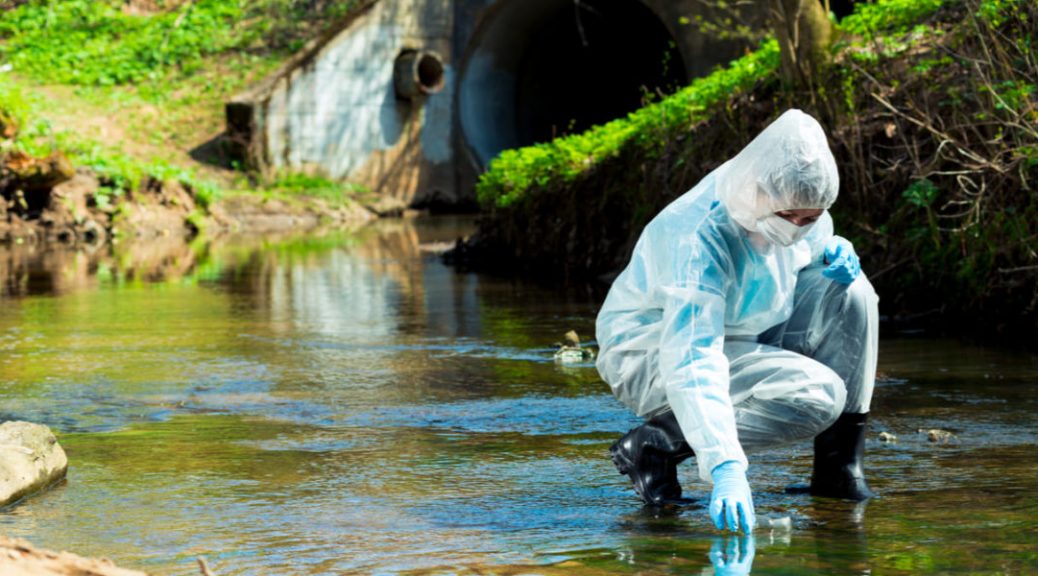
(733,556)
(844,265)
(731,504)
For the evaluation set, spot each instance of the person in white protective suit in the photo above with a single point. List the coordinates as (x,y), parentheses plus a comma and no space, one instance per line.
(742,322)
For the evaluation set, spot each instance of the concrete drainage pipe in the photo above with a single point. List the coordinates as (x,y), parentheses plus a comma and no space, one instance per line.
(416,73)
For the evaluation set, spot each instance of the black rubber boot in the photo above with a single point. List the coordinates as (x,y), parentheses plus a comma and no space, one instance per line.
(649,455)
(839,460)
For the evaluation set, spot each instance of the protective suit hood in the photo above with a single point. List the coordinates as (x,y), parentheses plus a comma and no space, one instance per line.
(787,166)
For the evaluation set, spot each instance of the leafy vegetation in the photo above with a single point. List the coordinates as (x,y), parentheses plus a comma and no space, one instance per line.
(109,42)
(887,17)
(951,201)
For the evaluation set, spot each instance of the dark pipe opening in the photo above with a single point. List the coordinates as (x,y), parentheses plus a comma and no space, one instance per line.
(539,69)
(590,62)
(430,73)
(417,72)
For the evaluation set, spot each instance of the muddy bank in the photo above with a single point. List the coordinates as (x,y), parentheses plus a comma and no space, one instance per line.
(47,200)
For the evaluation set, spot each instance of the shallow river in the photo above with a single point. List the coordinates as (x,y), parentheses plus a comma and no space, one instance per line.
(345,404)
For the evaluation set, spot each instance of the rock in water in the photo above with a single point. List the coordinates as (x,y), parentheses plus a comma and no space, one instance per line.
(938,435)
(30,460)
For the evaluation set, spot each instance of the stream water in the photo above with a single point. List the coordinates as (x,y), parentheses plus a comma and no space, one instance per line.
(345,404)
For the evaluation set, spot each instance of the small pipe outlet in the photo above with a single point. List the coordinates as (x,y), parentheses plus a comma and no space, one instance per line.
(417,72)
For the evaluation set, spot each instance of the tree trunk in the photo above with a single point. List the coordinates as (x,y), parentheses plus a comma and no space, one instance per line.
(804,33)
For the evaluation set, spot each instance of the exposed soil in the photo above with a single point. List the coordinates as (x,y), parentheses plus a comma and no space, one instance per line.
(47,201)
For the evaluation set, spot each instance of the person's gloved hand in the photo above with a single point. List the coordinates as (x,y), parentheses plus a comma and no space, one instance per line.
(731,504)
(843,263)
(732,555)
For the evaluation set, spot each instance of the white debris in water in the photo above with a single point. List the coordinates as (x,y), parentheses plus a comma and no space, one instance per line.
(887,437)
(570,351)
(776,522)
(567,354)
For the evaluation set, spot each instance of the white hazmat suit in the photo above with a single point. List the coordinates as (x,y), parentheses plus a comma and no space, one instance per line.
(723,316)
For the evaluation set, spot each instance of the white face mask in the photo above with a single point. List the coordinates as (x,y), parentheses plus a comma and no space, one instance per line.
(780,231)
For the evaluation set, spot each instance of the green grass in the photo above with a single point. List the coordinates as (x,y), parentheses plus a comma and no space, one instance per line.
(294,185)
(102,43)
(162,76)
(95,42)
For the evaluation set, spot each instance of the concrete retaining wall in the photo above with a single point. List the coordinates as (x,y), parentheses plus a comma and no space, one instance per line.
(333,109)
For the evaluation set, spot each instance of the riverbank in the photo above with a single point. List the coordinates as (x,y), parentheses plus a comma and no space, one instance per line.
(46,200)
(135,118)
(930,108)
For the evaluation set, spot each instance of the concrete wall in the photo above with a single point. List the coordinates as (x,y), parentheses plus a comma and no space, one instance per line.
(333,109)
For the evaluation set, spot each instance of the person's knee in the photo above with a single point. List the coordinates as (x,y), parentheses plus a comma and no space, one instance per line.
(805,400)
(823,399)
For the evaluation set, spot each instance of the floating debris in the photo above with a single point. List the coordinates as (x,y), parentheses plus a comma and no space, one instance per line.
(776,522)
(570,350)
(887,437)
(938,435)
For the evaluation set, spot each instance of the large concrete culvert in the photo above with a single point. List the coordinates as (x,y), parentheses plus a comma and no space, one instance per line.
(536,69)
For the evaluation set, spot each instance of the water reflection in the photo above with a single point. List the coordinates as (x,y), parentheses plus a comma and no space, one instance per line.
(342,403)
(733,555)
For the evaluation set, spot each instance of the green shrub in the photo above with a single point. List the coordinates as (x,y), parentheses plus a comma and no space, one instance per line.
(888,16)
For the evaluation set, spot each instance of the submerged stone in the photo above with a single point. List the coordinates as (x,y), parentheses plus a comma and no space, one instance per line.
(938,435)
(30,459)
